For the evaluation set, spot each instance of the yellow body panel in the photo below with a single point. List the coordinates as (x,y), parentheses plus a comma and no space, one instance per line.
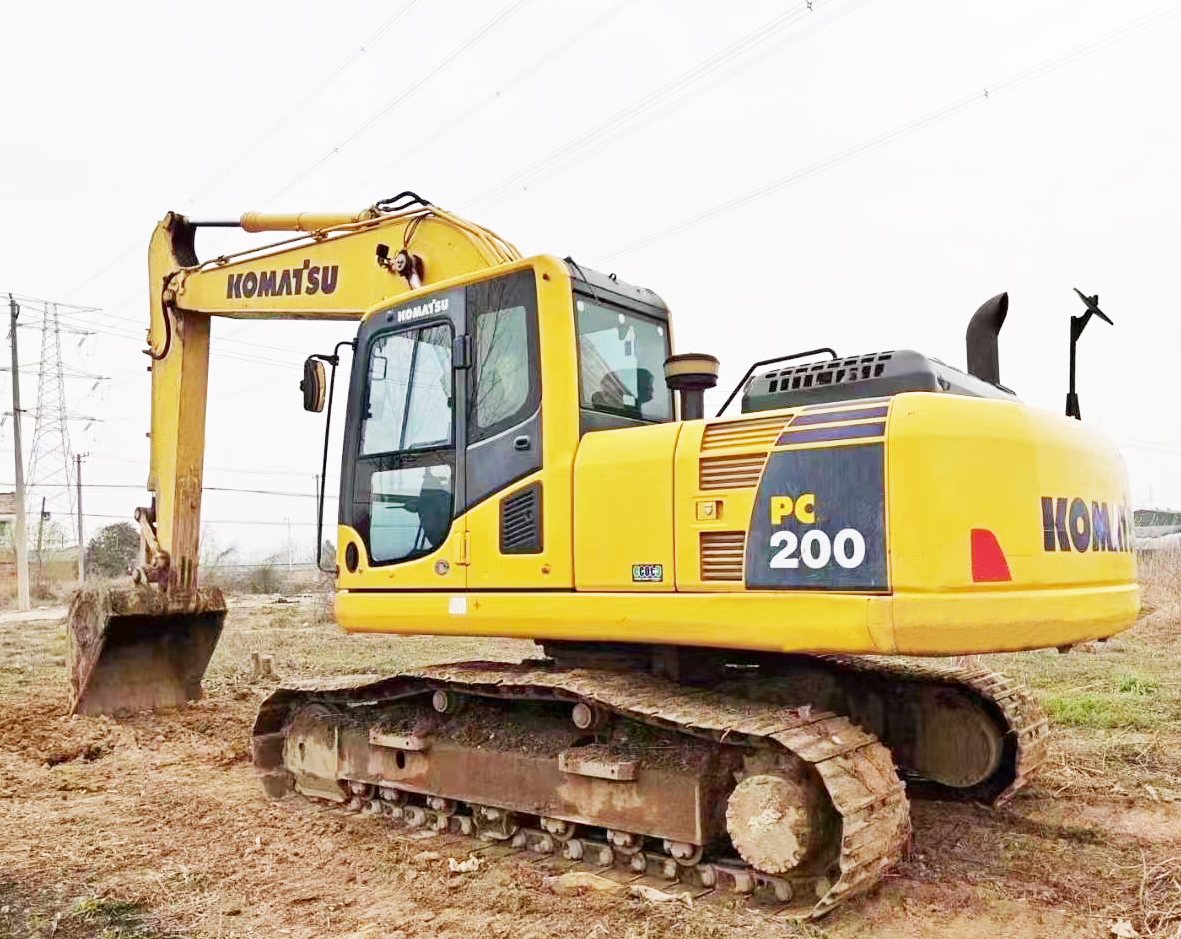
(995,460)
(776,622)
(952,466)
(714,512)
(491,570)
(425,573)
(623,508)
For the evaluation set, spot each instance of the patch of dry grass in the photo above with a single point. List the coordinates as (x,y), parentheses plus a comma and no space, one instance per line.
(1158,911)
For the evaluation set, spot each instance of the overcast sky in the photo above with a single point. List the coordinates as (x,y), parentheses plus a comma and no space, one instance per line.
(610,131)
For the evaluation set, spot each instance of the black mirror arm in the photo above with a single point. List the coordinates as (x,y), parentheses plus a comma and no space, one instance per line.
(332,360)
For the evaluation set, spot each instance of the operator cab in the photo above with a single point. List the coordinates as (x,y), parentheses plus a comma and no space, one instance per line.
(445,401)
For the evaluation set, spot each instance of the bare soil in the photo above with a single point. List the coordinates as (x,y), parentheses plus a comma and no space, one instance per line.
(154,826)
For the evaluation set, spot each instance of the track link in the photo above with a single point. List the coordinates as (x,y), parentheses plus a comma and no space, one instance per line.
(856,771)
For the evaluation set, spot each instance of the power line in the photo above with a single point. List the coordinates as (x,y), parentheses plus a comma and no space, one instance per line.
(74,307)
(420,141)
(118,333)
(218,521)
(1148,446)
(259,492)
(638,114)
(304,101)
(217,469)
(555,52)
(481,33)
(904,130)
(139,242)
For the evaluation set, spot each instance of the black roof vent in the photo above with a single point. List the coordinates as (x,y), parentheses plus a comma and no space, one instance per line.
(875,375)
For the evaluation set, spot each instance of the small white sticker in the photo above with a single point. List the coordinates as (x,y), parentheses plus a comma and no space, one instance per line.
(457,606)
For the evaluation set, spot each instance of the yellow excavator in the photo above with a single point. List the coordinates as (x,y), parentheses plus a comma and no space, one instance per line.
(733,609)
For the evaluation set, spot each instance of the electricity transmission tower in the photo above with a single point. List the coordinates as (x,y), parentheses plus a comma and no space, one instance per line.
(51,470)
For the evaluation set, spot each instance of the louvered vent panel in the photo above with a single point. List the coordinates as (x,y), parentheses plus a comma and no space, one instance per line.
(756,433)
(520,521)
(721,555)
(731,472)
(830,372)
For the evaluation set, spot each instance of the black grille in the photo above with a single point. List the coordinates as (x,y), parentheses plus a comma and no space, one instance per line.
(520,521)
(832,372)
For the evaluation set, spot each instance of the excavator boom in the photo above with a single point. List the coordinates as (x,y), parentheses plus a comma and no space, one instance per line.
(147,644)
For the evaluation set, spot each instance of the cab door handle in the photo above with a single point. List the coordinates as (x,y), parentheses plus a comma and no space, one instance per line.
(522,443)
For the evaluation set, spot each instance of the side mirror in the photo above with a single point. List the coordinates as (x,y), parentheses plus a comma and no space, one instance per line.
(313,385)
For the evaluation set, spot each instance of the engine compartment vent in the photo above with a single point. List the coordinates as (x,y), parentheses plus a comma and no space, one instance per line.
(721,555)
(520,521)
(741,471)
(753,432)
(832,372)
(854,378)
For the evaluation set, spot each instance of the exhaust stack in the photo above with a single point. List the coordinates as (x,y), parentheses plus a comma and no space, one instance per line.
(983,329)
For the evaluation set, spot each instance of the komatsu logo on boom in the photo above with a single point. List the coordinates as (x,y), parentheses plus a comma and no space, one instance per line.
(1068,523)
(309,279)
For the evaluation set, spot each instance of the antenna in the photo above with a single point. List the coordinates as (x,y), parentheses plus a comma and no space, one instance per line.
(1077,325)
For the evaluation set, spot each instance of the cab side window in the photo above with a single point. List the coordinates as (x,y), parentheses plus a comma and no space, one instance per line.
(504,387)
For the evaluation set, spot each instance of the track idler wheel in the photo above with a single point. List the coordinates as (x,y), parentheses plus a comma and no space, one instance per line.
(957,744)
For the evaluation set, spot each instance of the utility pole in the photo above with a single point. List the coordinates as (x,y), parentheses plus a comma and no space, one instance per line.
(81,537)
(22,548)
(290,565)
(40,556)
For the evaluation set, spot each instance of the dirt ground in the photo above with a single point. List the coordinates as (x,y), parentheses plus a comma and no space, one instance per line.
(154,826)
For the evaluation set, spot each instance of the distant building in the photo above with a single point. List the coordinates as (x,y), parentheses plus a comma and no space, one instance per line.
(7,516)
(1157,529)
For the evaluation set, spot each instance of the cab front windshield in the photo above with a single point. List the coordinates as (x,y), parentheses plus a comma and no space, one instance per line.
(621,362)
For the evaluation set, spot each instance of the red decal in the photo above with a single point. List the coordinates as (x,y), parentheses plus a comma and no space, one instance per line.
(988,560)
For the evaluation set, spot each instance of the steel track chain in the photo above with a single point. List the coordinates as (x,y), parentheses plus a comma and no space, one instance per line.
(1026,723)
(856,769)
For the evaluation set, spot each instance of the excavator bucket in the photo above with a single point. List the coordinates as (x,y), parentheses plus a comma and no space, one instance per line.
(136,648)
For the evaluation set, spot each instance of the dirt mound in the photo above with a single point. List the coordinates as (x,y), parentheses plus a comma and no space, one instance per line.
(38,730)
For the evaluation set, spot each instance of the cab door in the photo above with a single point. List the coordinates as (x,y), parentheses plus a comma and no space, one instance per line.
(504,492)
(405,486)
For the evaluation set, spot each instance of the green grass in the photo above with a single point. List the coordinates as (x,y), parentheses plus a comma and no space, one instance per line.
(1136,684)
(1088,709)
(1132,686)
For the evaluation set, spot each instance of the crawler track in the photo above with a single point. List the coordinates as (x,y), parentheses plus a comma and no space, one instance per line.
(856,772)
(1022,723)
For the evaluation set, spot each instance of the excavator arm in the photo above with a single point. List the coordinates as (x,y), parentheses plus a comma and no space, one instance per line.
(147,645)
